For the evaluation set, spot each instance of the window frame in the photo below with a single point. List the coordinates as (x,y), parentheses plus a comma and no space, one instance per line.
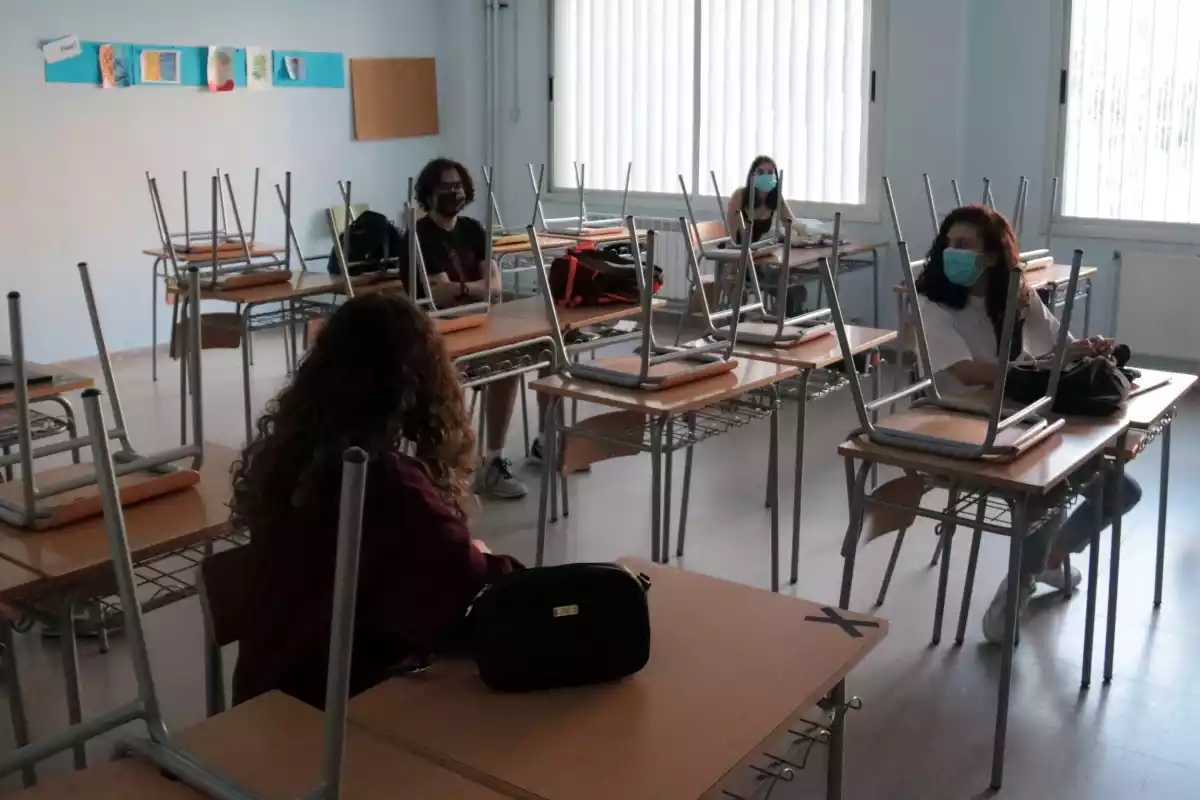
(1061,224)
(671,203)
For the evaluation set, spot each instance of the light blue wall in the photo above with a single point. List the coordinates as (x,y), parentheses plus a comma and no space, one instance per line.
(923,85)
(72,157)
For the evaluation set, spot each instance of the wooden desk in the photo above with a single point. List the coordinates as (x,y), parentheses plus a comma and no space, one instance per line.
(61,383)
(223,257)
(74,552)
(273,745)
(802,257)
(15,580)
(747,376)
(546,240)
(659,423)
(807,357)
(729,666)
(1020,485)
(110,780)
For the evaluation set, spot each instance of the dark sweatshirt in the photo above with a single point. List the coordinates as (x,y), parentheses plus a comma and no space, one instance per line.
(418,572)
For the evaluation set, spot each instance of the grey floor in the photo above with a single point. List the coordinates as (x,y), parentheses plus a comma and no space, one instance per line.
(926,726)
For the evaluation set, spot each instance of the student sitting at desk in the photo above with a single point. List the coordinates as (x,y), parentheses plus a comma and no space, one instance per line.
(759,209)
(377,378)
(454,247)
(962,291)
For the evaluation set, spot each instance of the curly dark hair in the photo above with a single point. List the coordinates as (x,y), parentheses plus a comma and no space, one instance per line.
(377,378)
(431,178)
(999,240)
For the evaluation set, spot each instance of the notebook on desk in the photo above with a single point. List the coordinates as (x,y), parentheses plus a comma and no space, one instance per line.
(8,374)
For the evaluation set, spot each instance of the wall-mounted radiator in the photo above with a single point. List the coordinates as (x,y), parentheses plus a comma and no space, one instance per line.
(1158,305)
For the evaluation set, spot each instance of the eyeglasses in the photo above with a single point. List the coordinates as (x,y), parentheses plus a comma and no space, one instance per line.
(455,186)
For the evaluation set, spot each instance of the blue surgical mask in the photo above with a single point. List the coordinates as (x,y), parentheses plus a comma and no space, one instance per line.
(961,266)
(766,182)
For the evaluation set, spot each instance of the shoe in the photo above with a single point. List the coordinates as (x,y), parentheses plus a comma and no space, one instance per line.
(993,618)
(537,456)
(1054,578)
(496,479)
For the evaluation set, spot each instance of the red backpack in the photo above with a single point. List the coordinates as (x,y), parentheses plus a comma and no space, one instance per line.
(585,276)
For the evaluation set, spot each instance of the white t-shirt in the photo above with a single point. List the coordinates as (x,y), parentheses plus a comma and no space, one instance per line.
(955,335)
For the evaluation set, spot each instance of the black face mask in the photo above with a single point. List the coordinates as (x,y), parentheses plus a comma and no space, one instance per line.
(448,204)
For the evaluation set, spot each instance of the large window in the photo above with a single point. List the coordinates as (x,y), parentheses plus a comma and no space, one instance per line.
(687,86)
(1131,120)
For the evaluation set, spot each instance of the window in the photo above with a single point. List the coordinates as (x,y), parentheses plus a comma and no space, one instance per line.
(677,87)
(1131,120)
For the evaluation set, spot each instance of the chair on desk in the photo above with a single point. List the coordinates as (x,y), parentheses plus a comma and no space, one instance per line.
(157,746)
(63,495)
(582,224)
(654,367)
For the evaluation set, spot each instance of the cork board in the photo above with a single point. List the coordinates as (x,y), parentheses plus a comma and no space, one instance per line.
(394,98)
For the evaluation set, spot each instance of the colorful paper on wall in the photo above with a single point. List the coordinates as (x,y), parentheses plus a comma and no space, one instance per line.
(114,66)
(160,66)
(220,69)
(62,49)
(258,68)
(294,67)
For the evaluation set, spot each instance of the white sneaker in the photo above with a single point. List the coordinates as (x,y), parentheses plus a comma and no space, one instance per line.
(496,480)
(1054,577)
(993,618)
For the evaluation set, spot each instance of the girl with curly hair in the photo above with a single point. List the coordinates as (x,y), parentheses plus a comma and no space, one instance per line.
(377,378)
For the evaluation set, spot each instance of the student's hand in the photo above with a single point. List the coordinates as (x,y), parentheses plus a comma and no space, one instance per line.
(1024,297)
(1094,346)
(481,547)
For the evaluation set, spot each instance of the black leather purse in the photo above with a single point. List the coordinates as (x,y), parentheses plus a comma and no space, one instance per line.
(1093,386)
(567,625)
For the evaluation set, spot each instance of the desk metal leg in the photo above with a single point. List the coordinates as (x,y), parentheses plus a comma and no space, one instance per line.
(1089,625)
(562,476)
(856,491)
(656,437)
(668,485)
(70,660)
(1016,538)
(875,286)
(246,370)
(891,567)
(899,367)
(154,323)
(773,488)
(1087,309)
(1164,475)
(550,463)
(798,478)
(1114,560)
(944,578)
(969,584)
(876,364)
(16,700)
(687,483)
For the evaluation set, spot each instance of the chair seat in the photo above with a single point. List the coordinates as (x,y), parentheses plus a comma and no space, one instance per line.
(668,374)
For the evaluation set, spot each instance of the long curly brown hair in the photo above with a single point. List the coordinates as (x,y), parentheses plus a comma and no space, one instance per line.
(377,378)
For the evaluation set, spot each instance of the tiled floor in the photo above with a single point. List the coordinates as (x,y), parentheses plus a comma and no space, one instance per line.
(925,731)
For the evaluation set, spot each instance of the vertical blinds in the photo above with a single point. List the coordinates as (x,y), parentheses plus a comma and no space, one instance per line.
(689,86)
(1131,121)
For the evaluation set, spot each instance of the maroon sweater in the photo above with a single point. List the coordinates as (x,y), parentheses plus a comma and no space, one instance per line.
(418,572)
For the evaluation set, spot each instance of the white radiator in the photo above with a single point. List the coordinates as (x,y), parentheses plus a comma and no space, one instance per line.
(670,254)
(1157,313)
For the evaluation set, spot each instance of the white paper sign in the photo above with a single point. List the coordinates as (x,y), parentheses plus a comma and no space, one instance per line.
(62,49)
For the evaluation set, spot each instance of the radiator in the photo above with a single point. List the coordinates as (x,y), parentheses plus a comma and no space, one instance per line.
(1157,314)
(670,254)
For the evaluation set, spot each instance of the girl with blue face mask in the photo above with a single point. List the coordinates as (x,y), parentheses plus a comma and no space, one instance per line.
(962,292)
(759,204)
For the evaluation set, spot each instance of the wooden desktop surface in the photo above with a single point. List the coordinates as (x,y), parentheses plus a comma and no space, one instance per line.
(1053,275)
(546,240)
(1145,409)
(62,383)
(154,526)
(524,319)
(302,284)
(574,236)
(729,664)
(747,376)
(1035,472)
(127,779)
(820,352)
(272,746)
(223,257)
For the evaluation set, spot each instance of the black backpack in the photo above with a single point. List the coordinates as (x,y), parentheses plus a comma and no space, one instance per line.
(1093,386)
(375,243)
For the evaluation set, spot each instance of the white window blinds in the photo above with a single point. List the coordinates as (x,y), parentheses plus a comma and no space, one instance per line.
(689,86)
(1130,142)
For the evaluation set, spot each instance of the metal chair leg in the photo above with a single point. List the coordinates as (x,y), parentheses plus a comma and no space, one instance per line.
(891,567)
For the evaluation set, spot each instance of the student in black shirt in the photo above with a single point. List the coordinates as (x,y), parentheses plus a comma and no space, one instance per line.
(454,248)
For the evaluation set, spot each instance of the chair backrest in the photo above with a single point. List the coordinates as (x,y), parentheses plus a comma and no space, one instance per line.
(223,580)
(707,231)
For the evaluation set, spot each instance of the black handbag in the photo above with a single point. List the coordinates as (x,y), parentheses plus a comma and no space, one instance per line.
(566,625)
(1093,386)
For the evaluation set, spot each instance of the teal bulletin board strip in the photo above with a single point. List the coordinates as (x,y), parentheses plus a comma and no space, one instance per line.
(320,70)
(193,65)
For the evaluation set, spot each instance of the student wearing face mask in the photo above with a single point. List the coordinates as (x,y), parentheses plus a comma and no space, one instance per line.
(759,205)
(962,291)
(454,247)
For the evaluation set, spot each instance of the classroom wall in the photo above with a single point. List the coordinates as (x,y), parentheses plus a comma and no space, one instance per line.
(923,86)
(72,157)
